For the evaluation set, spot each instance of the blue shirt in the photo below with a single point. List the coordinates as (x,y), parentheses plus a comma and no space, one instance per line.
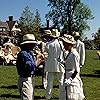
(25,63)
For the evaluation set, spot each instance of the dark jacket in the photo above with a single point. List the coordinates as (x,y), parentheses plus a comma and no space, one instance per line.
(25,63)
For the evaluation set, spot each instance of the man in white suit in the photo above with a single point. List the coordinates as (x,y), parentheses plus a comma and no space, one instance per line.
(80,47)
(52,66)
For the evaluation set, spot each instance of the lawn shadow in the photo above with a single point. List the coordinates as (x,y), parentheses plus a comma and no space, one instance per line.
(96,58)
(56,86)
(97,72)
(39,86)
(9,96)
(43,98)
(10,87)
(91,75)
(17,97)
(39,97)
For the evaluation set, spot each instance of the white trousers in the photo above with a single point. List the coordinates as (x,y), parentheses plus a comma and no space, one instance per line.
(25,86)
(45,79)
(50,78)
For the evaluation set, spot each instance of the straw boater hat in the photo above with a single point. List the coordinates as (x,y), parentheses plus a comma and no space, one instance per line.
(55,33)
(68,39)
(28,38)
(47,32)
(76,34)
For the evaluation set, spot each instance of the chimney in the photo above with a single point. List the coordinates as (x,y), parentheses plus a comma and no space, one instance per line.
(10,18)
(10,24)
(48,24)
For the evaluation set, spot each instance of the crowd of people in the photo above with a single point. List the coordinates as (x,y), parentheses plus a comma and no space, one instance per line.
(60,56)
(8,53)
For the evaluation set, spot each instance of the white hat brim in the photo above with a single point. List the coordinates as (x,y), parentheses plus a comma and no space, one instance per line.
(25,42)
(67,41)
(53,36)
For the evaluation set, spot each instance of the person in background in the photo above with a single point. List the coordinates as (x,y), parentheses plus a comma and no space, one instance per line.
(45,40)
(52,66)
(2,59)
(80,47)
(72,89)
(25,65)
(8,55)
(43,51)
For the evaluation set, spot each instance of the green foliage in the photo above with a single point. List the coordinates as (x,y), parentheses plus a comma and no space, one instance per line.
(26,21)
(72,15)
(90,74)
(89,44)
(37,25)
(97,39)
(30,22)
(81,15)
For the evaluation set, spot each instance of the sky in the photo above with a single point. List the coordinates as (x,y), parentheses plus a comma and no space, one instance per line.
(94,24)
(15,8)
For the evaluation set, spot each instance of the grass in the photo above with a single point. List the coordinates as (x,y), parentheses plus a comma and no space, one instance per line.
(90,74)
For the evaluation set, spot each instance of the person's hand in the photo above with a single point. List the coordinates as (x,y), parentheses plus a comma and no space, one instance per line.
(45,55)
(39,59)
(68,81)
(81,66)
(60,61)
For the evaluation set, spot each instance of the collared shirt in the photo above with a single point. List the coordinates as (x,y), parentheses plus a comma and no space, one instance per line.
(25,63)
(54,52)
(81,50)
(72,63)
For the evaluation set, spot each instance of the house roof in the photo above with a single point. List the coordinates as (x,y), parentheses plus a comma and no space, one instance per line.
(15,27)
(4,24)
(10,24)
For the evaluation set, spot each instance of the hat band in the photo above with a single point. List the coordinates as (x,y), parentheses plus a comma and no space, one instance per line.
(29,40)
(69,38)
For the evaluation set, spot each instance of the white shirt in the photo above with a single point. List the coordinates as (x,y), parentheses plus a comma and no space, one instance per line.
(81,50)
(72,64)
(54,52)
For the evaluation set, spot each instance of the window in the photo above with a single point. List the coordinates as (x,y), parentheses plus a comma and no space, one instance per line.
(0,29)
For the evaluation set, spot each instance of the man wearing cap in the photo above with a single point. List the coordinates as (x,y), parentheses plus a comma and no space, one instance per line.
(72,82)
(80,47)
(25,67)
(52,66)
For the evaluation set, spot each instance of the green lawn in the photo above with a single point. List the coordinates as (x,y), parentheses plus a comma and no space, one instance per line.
(90,74)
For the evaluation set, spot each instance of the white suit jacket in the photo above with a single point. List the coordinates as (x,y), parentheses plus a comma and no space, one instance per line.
(54,52)
(72,63)
(81,50)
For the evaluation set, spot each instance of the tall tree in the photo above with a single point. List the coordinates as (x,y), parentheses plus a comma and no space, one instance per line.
(37,24)
(26,21)
(30,22)
(72,15)
(97,38)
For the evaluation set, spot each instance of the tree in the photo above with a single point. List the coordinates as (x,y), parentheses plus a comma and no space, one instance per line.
(37,24)
(30,23)
(26,21)
(89,44)
(97,38)
(72,15)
